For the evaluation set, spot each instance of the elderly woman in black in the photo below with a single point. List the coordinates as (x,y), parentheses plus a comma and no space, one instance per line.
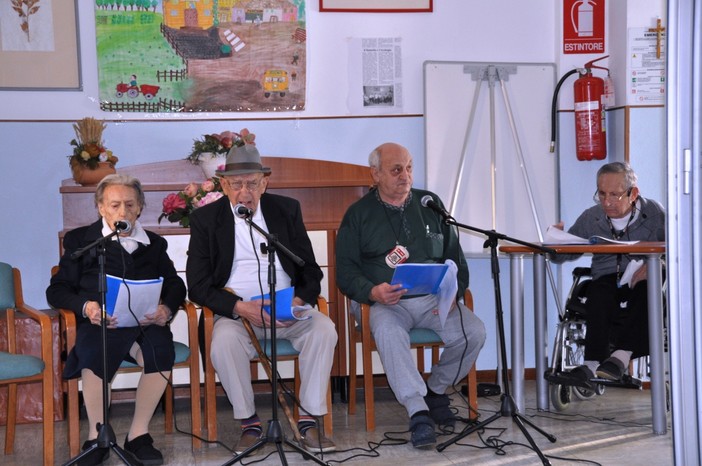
(134,254)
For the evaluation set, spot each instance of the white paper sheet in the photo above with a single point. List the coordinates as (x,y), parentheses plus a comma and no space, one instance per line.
(142,296)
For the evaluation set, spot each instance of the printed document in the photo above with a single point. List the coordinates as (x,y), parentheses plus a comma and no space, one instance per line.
(557,236)
(142,296)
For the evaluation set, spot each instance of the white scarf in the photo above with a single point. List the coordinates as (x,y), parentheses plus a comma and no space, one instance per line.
(129,243)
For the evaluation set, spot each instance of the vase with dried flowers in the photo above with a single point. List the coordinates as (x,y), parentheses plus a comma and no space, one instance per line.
(210,151)
(90,161)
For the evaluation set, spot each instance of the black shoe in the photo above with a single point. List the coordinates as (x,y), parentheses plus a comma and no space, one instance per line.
(440,409)
(143,450)
(422,428)
(96,457)
(578,377)
(611,369)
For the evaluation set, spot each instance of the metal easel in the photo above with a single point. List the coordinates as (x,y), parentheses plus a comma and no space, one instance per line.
(494,74)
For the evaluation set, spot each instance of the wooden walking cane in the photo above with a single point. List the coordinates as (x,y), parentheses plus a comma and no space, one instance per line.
(263,358)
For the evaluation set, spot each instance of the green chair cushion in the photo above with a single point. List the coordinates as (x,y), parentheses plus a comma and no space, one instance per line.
(283,347)
(424,336)
(13,366)
(182,353)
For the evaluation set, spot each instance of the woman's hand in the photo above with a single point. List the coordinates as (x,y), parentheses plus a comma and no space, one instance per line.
(93,313)
(160,317)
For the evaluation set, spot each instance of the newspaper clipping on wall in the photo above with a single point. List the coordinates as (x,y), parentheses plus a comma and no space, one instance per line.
(375,75)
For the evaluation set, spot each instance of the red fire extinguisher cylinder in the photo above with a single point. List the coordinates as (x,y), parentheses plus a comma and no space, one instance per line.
(590,128)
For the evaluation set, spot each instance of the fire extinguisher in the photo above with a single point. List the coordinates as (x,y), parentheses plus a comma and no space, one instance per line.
(590,125)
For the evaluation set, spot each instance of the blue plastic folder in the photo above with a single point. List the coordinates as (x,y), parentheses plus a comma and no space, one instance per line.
(284,310)
(141,295)
(419,278)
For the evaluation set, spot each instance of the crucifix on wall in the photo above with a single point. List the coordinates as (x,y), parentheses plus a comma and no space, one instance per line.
(659,29)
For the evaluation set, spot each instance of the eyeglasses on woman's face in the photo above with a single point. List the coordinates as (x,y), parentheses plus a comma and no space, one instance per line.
(600,196)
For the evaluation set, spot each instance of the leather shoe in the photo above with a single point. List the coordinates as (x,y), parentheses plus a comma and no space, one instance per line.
(248,438)
(143,450)
(96,456)
(578,377)
(611,369)
(315,441)
(423,434)
(440,409)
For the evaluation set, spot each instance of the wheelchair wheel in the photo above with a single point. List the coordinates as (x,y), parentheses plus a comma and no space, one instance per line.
(560,396)
(585,394)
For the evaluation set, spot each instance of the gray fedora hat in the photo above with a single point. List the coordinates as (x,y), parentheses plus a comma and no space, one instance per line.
(242,160)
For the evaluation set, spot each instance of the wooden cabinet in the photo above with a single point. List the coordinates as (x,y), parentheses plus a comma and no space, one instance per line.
(324,190)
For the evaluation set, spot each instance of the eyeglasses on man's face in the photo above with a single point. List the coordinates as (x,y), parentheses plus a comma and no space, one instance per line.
(238,185)
(600,196)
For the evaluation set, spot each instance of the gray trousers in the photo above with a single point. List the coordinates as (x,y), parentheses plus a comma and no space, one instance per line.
(463,336)
(232,350)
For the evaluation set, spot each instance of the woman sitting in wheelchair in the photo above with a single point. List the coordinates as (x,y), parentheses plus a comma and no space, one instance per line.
(615,302)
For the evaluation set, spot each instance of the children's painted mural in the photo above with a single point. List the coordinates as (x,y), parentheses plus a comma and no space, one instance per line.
(201,55)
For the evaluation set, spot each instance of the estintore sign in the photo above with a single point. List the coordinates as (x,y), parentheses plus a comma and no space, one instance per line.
(583,26)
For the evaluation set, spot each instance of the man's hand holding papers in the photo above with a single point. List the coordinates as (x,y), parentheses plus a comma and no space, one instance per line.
(437,279)
(286,313)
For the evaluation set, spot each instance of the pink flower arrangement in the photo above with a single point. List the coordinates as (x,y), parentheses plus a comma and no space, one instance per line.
(177,207)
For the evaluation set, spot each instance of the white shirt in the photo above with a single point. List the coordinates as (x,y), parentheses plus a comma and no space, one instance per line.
(249,275)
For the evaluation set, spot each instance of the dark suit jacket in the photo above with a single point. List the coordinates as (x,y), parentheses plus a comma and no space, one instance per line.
(77,280)
(211,251)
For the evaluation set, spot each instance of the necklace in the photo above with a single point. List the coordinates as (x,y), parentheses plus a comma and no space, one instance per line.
(618,235)
(399,253)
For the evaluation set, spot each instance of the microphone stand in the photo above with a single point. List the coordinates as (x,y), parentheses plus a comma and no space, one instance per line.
(274,432)
(508,405)
(106,436)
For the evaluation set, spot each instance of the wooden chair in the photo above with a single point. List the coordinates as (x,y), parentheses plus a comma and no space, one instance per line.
(285,352)
(420,338)
(186,356)
(18,368)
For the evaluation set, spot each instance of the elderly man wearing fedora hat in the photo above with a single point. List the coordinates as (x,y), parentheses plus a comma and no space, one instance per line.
(224,256)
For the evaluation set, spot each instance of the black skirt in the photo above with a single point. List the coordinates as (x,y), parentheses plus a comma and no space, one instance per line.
(156,344)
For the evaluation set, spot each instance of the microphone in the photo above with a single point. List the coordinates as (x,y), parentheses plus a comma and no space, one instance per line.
(241,211)
(123,226)
(428,201)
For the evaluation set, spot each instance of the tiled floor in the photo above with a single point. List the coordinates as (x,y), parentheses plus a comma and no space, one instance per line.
(612,429)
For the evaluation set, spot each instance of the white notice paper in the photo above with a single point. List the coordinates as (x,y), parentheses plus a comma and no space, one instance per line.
(141,295)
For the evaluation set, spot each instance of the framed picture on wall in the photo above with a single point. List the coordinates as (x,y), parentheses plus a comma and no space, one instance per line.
(39,47)
(376,6)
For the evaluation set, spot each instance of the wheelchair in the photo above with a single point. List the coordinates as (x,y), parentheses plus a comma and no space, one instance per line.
(569,348)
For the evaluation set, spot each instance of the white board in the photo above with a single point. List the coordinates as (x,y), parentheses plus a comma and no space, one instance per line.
(494,189)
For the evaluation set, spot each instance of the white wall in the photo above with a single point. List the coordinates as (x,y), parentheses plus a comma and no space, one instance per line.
(473,30)
(35,127)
